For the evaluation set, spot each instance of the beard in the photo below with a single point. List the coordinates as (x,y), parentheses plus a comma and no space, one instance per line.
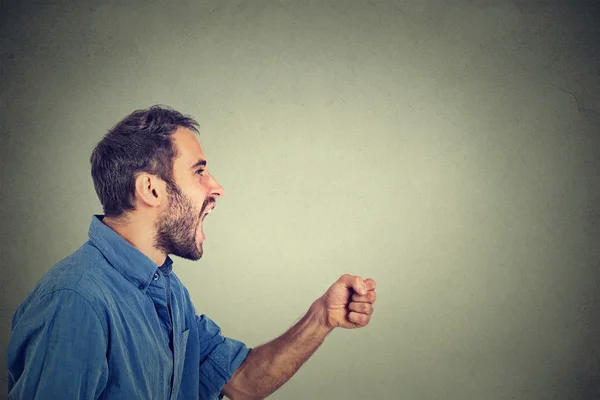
(177,227)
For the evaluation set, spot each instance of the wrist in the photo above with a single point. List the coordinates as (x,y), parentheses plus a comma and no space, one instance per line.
(318,315)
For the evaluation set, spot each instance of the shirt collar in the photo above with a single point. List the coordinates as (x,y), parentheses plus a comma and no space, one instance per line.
(134,265)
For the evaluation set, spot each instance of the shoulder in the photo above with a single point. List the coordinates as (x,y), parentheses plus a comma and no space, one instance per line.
(83,275)
(78,271)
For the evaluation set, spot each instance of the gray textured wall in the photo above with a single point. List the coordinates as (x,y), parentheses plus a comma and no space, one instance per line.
(449,151)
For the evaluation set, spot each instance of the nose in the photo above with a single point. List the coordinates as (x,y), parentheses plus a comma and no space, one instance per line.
(216,190)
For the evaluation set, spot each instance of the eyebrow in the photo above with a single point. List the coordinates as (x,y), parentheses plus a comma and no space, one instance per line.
(199,163)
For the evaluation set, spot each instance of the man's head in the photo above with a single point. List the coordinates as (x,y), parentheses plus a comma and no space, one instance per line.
(151,165)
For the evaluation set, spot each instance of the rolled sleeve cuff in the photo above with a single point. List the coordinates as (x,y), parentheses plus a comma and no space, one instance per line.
(220,365)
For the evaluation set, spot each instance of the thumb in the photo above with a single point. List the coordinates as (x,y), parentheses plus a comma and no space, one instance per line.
(353,282)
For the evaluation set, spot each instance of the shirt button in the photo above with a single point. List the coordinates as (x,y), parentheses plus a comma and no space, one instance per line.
(155,277)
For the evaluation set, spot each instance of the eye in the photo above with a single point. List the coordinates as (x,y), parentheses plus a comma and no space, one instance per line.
(200,171)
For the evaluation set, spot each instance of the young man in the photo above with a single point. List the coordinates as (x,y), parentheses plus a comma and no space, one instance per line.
(113,321)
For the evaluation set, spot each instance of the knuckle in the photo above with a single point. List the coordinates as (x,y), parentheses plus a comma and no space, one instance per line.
(362,319)
(362,308)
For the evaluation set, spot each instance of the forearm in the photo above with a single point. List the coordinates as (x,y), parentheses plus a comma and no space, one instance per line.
(270,365)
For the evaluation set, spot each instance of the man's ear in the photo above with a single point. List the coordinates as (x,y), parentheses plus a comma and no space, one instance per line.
(150,190)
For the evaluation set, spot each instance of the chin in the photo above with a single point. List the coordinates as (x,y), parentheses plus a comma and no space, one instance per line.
(194,255)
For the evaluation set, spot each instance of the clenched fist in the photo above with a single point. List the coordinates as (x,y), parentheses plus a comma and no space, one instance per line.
(348,303)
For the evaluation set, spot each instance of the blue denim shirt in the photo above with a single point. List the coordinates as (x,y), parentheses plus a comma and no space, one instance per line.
(106,323)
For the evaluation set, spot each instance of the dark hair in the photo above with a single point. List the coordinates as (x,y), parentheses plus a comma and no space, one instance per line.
(141,142)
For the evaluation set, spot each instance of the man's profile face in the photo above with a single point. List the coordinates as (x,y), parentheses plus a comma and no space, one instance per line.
(179,227)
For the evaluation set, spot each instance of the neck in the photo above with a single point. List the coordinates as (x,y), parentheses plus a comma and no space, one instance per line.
(139,232)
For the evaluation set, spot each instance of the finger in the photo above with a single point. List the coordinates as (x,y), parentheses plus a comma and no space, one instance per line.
(353,282)
(370,297)
(358,318)
(370,283)
(362,308)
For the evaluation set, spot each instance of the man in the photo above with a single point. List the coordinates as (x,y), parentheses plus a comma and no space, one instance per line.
(113,321)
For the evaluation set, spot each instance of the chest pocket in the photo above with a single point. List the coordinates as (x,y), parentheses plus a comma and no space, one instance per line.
(179,349)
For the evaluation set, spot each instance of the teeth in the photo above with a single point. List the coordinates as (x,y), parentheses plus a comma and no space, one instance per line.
(209,210)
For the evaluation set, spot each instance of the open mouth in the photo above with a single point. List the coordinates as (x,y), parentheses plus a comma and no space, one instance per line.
(208,210)
(202,217)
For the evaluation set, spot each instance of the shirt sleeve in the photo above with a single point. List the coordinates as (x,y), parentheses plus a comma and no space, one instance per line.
(220,357)
(57,349)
